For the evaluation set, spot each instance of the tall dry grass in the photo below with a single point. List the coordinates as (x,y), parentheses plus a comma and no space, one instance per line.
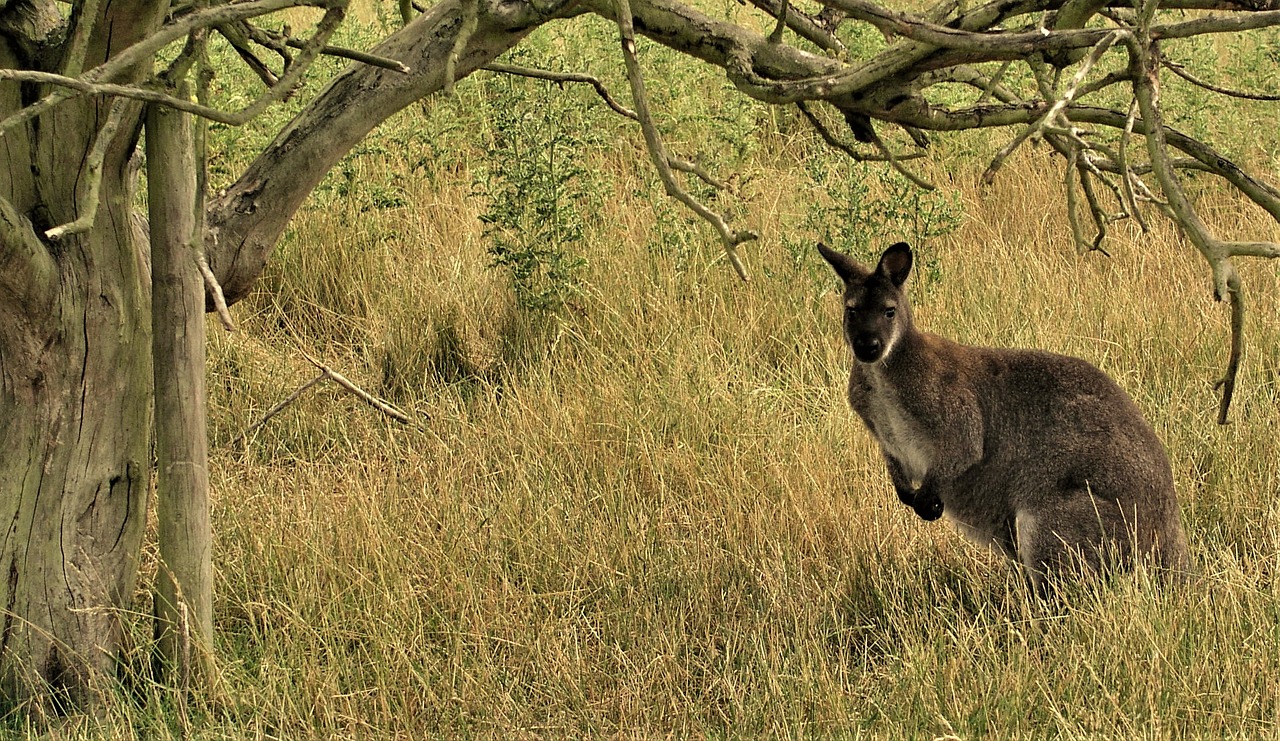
(664,519)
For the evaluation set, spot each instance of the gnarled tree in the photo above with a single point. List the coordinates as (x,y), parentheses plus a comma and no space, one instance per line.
(76,389)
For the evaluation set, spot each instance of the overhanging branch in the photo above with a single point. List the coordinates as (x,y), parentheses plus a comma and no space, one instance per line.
(731,238)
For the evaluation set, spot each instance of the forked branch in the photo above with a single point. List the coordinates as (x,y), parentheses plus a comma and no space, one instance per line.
(326,373)
(1144,55)
(730,237)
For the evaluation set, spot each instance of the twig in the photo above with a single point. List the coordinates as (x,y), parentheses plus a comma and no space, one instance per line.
(263,35)
(326,373)
(1073,205)
(86,17)
(1182,72)
(1228,381)
(803,24)
(833,141)
(657,151)
(1100,218)
(273,411)
(215,290)
(237,34)
(1064,100)
(142,52)
(470,21)
(1226,282)
(87,204)
(898,166)
(73,85)
(360,393)
(775,37)
(991,83)
(1127,176)
(562,77)
(698,171)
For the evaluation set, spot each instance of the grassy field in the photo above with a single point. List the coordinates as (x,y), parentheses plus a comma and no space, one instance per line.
(642,507)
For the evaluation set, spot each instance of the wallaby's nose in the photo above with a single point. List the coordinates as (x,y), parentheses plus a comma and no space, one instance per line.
(867,348)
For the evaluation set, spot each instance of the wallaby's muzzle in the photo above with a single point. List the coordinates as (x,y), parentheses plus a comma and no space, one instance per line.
(867,348)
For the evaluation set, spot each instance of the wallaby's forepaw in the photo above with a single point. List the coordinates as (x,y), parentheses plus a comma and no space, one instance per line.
(928,507)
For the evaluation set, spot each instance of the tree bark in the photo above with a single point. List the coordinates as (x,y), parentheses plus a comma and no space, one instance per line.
(75,384)
(75,387)
(184,598)
(246,221)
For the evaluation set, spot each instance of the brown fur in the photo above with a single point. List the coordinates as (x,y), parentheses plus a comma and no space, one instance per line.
(1041,455)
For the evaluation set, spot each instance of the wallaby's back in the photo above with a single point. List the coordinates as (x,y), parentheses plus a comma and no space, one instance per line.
(1040,454)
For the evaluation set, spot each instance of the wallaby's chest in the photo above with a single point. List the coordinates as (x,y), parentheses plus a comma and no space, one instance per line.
(900,435)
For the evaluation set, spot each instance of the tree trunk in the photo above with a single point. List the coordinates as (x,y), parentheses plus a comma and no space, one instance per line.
(184,589)
(246,221)
(75,391)
(75,385)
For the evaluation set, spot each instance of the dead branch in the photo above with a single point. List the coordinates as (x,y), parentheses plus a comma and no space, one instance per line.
(373,401)
(237,34)
(142,52)
(87,204)
(1182,72)
(215,290)
(266,37)
(326,373)
(280,407)
(470,20)
(87,16)
(1100,218)
(834,142)
(563,77)
(802,24)
(1127,175)
(1228,381)
(1143,55)
(657,150)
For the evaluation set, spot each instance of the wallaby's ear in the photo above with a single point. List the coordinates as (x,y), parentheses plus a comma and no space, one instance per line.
(895,263)
(845,267)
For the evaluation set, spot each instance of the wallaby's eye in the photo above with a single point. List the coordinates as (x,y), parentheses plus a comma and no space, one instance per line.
(890,311)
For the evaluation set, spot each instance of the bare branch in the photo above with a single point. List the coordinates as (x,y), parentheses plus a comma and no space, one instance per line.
(470,20)
(1227,384)
(1100,217)
(123,91)
(87,204)
(562,77)
(1058,106)
(1127,176)
(698,171)
(1073,202)
(657,151)
(144,50)
(215,290)
(1143,56)
(237,34)
(86,15)
(1182,72)
(280,407)
(272,39)
(326,373)
(802,24)
(833,141)
(373,401)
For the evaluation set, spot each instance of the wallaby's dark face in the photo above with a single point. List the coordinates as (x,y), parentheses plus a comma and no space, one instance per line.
(875,307)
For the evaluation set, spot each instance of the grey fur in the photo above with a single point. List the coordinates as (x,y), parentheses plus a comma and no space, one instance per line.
(1040,455)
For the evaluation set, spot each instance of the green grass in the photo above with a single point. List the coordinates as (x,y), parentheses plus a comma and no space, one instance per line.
(652,513)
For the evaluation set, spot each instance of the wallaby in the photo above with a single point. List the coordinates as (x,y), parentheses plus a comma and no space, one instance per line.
(1040,455)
